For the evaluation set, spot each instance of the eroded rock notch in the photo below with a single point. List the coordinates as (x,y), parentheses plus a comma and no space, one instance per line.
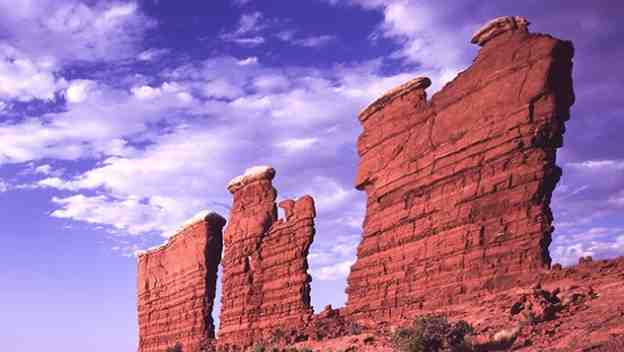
(458,187)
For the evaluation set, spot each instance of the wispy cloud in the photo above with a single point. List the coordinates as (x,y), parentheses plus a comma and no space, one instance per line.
(297,144)
(4,186)
(152,54)
(247,31)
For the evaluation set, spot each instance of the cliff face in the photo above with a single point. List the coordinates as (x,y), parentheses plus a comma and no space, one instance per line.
(176,288)
(458,187)
(457,220)
(265,281)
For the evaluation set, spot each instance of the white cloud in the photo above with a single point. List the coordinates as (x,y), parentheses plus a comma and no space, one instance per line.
(221,88)
(271,83)
(598,165)
(617,199)
(428,37)
(248,61)
(249,23)
(156,189)
(246,33)
(315,41)
(78,90)
(248,41)
(182,167)
(72,30)
(4,186)
(337,271)
(152,54)
(25,79)
(604,248)
(329,194)
(97,123)
(241,2)
(131,215)
(146,92)
(297,144)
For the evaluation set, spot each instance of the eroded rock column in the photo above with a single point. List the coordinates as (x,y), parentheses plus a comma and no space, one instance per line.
(265,281)
(458,187)
(176,287)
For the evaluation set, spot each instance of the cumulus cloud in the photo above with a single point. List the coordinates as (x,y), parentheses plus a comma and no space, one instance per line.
(79,90)
(332,261)
(25,79)
(74,30)
(97,123)
(337,271)
(429,35)
(241,115)
(131,215)
(598,242)
(155,189)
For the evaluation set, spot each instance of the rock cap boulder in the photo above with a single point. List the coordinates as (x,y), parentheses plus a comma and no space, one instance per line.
(416,83)
(498,26)
(208,216)
(252,174)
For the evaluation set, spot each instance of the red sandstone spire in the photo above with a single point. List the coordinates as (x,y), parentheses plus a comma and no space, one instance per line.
(176,281)
(459,186)
(265,280)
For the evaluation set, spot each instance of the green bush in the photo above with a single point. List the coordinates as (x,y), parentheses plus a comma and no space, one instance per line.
(259,348)
(433,333)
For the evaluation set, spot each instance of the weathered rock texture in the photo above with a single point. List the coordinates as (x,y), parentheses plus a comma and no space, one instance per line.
(176,287)
(580,308)
(459,187)
(265,281)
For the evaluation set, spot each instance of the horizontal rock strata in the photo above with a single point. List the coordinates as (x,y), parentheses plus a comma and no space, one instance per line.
(265,281)
(458,187)
(176,287)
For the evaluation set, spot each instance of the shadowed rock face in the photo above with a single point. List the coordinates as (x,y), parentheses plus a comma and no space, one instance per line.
(265,279)
(176,288)
(459,187)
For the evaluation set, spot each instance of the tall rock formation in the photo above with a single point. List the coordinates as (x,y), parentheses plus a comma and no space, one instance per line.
(265,281)
(458,187)
(176,287)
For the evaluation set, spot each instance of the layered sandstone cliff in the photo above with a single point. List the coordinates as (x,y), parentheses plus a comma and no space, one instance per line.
(176,287)
(459,186)
(265,281)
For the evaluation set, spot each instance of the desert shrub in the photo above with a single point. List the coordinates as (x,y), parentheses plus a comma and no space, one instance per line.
(176,348)
(432,333)
(278,335)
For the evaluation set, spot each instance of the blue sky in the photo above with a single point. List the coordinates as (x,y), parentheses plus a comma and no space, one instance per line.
(119,120)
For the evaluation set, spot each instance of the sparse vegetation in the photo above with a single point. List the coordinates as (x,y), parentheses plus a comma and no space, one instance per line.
(433,333)
(176,348)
